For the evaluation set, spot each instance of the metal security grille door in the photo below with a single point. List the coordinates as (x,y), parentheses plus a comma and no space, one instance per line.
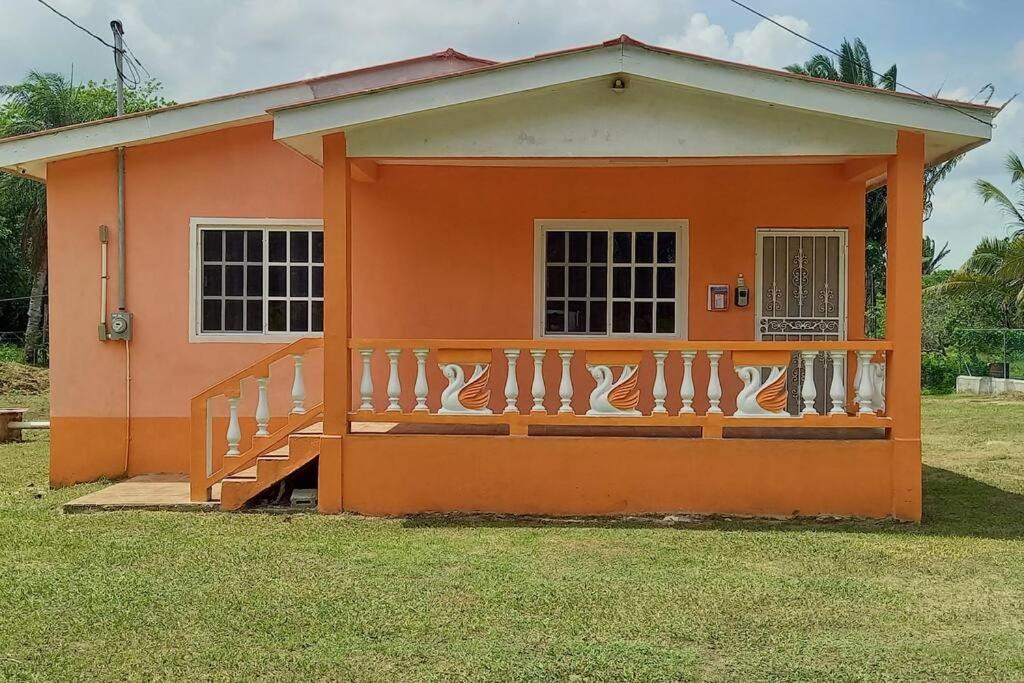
(801,296)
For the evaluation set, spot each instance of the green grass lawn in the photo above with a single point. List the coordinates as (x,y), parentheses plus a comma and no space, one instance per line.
(173,596)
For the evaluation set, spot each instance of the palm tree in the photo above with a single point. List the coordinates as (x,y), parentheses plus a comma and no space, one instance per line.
(41,102)
(994,272)
(989,192)
(853,65)
(930,259)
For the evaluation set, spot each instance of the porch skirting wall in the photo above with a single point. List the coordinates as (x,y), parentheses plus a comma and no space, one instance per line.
(389,475)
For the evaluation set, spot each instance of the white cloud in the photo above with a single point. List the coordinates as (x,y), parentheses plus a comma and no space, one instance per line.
(764,45)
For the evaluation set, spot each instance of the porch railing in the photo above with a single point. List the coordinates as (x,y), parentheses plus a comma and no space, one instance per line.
(709,385)
(224,444)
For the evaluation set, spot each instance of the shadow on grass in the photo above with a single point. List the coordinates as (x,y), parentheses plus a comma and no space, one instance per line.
(954,505)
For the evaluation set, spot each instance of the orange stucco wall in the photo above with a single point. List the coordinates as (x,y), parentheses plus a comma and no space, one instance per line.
(438,252)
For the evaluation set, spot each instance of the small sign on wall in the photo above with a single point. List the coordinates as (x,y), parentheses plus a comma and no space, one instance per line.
(718,297)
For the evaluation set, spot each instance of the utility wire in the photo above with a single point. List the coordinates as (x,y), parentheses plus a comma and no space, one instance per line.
(830,50)
(73,22)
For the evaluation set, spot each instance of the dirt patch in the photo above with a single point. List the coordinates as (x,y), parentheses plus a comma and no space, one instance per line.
(23,379)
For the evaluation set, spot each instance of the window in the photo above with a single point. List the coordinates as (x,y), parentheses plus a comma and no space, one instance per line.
(612,281)
(259,279)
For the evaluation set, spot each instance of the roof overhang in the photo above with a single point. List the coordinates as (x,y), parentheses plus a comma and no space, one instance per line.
(950,128)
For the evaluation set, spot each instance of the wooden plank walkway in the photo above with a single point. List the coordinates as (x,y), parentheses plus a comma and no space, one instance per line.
(144,492)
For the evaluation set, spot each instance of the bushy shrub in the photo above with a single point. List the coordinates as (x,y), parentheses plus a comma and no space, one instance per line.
(939,371)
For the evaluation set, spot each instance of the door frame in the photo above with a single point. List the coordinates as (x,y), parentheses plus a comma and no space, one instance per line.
(841,233)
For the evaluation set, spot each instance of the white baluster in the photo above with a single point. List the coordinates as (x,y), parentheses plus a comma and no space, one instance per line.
(234,435)
(865,387)
(511,382)
(714,383)
(394,384)
(262,407)
(565,386)
(660,388)
(298,387)
(809,392)
(366,382)
(837,392)
(538,381)
(686,390)
(421,387)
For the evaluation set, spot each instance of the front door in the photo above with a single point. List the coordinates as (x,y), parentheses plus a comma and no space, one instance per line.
(800,295)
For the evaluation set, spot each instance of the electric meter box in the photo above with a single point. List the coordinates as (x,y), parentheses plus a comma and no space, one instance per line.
(121,325)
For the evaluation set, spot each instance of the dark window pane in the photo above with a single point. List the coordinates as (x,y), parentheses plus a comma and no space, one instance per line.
(234,316)
(599,247)
(577,247)
(254,316)
(666,247)
(299,281)
(577,280)
(554,316)
(318,281)
(644,247)
(300,246)
(278,246)
(622,247)
(666,283)
(211,315)
(599,281)
(298,316)
(620,316)
(254,281)
(620,282)
(233,280)
(318,247)
(556,246)
(234,245)
(212,280)
(277,316)
(643,278)
(643,319)
(554,283)
(576,320)
(598,316)
(213,247)
(254,246)
(318,316)
(277,281)
(666,322)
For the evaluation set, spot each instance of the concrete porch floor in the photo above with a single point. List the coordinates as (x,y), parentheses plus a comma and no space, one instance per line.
(144,492)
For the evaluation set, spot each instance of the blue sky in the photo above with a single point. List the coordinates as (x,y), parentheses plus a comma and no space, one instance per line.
(200,48)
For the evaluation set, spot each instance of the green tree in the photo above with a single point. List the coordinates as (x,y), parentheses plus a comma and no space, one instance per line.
(41,102)
(930,259)
(994,273)
(853,65)
(1014,212)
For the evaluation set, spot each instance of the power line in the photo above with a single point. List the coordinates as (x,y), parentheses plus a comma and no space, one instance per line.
(73,22)
(830,50)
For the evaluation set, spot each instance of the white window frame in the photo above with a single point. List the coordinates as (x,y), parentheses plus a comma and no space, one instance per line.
(195,268)
(680,226)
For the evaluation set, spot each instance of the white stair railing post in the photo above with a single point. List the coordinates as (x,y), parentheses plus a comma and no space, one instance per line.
(366,382)
(565,385)
(298,387)
(262,407)
(660,388)
(686,390)
(511,382)
(394,383)
(538,381)
(865,387)
(809,392)
(837,392)
(714,384)
(234,435)
(421,388)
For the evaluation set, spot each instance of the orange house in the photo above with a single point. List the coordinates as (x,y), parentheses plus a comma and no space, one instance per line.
(615,279)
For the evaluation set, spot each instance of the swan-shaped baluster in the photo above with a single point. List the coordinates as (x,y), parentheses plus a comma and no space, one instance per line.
(757,399)
(614,398)
(462,397)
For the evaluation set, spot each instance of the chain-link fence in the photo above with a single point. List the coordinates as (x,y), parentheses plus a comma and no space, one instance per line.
(991,351)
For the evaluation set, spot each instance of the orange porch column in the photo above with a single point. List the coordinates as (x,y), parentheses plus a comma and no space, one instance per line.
(337,319)
(905,231)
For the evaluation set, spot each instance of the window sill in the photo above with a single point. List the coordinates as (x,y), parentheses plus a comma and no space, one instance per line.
(251,337)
